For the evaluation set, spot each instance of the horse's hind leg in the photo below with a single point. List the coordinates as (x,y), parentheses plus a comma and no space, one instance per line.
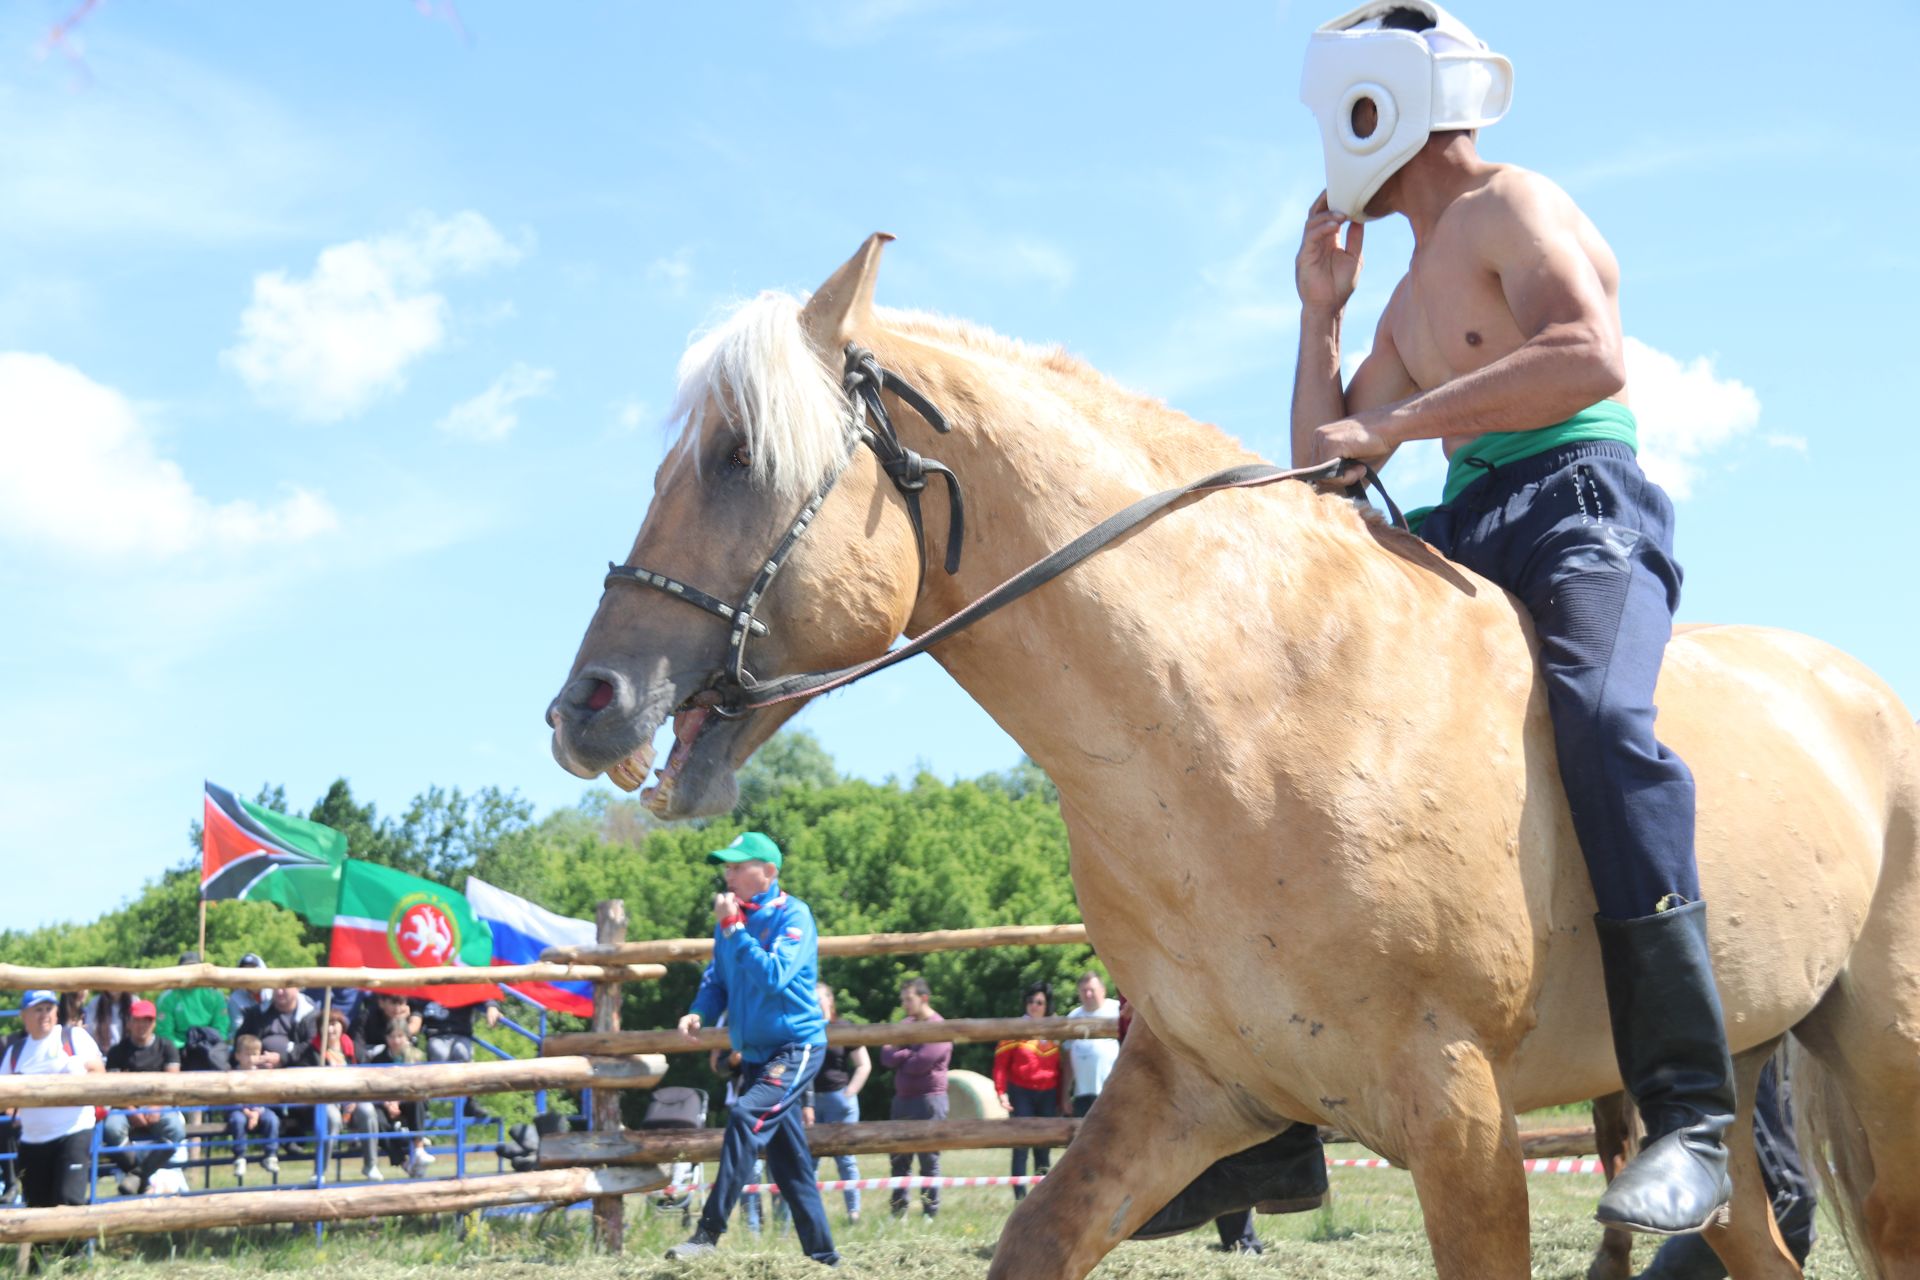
(1750,1243)
(1616,1129)
(1858,1093)
(1157,1124)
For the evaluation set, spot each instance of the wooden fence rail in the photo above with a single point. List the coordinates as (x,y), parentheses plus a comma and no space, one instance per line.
(892,1137)
(329,1084)
(329,1204)
(864,944)
(173,977)
(956,1030)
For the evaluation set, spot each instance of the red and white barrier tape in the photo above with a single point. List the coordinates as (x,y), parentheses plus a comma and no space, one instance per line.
(1563,1165)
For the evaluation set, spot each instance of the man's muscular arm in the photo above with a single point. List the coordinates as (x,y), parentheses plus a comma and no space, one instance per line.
(1325,273)
(1572,357)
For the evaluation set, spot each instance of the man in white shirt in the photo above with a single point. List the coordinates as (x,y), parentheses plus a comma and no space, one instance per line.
(1089,1062)
(55,1142)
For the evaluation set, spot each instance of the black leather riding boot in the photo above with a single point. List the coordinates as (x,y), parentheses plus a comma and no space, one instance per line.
(1671,1044)
(1285,1174)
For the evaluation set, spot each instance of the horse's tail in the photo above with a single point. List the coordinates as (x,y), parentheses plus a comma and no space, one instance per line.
(1833,1145)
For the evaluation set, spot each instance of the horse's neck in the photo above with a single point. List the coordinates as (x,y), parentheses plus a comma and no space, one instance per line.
(1220,598)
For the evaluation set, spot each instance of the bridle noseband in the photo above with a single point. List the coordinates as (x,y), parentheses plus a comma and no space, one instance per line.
(733,691)
(864,380)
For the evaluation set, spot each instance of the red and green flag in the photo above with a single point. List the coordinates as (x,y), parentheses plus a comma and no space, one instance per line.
(388,919)
(253,853)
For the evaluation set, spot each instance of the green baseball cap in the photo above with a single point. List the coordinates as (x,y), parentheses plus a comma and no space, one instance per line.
(748,846)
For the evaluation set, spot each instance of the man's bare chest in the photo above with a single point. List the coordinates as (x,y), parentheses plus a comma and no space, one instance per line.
(1448,319)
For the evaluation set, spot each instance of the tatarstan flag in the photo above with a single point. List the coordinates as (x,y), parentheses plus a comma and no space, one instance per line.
(388,919)
(262,856)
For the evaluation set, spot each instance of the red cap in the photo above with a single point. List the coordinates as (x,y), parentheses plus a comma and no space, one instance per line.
(142,1009)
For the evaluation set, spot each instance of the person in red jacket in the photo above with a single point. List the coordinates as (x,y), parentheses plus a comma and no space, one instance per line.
(1026,1079)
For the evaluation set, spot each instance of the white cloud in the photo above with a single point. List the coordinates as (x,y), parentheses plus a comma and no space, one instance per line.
(83,477)
(631,415)
(491,414)
(1685,413)
(1780,440)
(326,346)
(675,271)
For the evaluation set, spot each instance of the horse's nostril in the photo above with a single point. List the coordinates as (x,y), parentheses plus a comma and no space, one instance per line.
(602,694)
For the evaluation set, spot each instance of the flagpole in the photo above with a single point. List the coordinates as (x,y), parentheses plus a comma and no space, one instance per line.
(203,931)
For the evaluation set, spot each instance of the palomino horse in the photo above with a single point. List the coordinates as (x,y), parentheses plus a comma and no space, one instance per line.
(1306,767)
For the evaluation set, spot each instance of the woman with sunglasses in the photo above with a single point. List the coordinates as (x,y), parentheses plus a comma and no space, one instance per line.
(1026,1079)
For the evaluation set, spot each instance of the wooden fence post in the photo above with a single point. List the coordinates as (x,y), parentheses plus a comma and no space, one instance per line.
(609,1212)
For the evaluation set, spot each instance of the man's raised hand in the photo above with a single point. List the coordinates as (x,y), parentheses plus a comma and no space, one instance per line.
(725,907)
(1325,271)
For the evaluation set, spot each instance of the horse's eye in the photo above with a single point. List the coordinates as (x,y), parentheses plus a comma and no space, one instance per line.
(741,458)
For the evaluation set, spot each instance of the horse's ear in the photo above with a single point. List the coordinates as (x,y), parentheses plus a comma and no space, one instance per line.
(844,304)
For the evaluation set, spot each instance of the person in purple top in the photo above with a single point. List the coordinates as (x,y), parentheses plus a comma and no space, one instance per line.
(919,1091)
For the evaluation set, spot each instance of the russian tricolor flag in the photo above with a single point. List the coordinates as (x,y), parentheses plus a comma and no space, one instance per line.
(521,931)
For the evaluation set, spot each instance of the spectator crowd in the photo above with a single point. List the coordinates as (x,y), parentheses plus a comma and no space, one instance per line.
(47,1153)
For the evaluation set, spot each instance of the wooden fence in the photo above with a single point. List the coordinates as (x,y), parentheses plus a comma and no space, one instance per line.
(604,1165)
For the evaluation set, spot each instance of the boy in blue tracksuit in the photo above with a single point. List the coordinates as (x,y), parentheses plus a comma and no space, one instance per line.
(766,957)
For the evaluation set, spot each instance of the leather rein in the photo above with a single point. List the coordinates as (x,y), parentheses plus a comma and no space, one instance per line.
(733,691)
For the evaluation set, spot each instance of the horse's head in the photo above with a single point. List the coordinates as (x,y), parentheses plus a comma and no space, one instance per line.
(766,418)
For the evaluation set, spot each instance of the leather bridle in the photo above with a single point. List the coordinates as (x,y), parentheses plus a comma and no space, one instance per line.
(733,691)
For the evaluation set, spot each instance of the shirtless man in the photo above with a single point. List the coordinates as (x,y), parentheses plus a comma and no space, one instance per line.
(1503,342)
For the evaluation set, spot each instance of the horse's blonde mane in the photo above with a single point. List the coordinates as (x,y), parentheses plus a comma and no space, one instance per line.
(758,366)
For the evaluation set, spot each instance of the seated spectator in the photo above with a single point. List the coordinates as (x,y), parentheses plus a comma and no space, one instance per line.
(409,1153)
(242,1001)
(449,1037)
(184,1008)
(288,1037)
(345,999)
(56,1166)
(1026,1079)
(105,1017)
(919,1092)
(142,1050)
(375,1018)
(259,1119)
(449,1032)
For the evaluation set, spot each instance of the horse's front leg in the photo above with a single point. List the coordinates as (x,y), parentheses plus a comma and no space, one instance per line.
(1158,1123)
(1462,1145)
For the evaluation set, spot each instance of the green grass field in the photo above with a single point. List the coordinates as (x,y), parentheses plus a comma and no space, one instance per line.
(1371,1231)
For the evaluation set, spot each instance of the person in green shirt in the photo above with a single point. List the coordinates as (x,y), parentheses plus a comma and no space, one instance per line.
(189,1007)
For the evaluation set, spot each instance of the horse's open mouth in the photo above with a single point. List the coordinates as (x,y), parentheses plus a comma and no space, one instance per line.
(630,774)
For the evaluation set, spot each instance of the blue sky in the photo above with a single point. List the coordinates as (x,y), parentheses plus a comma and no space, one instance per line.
(333,344)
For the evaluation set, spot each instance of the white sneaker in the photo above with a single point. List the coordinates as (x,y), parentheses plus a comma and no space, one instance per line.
(240,1169)
(372,1173)
(271,1164)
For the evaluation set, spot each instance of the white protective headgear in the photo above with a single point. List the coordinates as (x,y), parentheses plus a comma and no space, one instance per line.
(1418,81)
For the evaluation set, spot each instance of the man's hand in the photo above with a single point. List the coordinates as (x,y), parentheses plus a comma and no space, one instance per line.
(690,1026)
(493,1015)
(393,1110)
(806,1115)
(1005,1104)
(725,907)
(1325,271)
(1350,438)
